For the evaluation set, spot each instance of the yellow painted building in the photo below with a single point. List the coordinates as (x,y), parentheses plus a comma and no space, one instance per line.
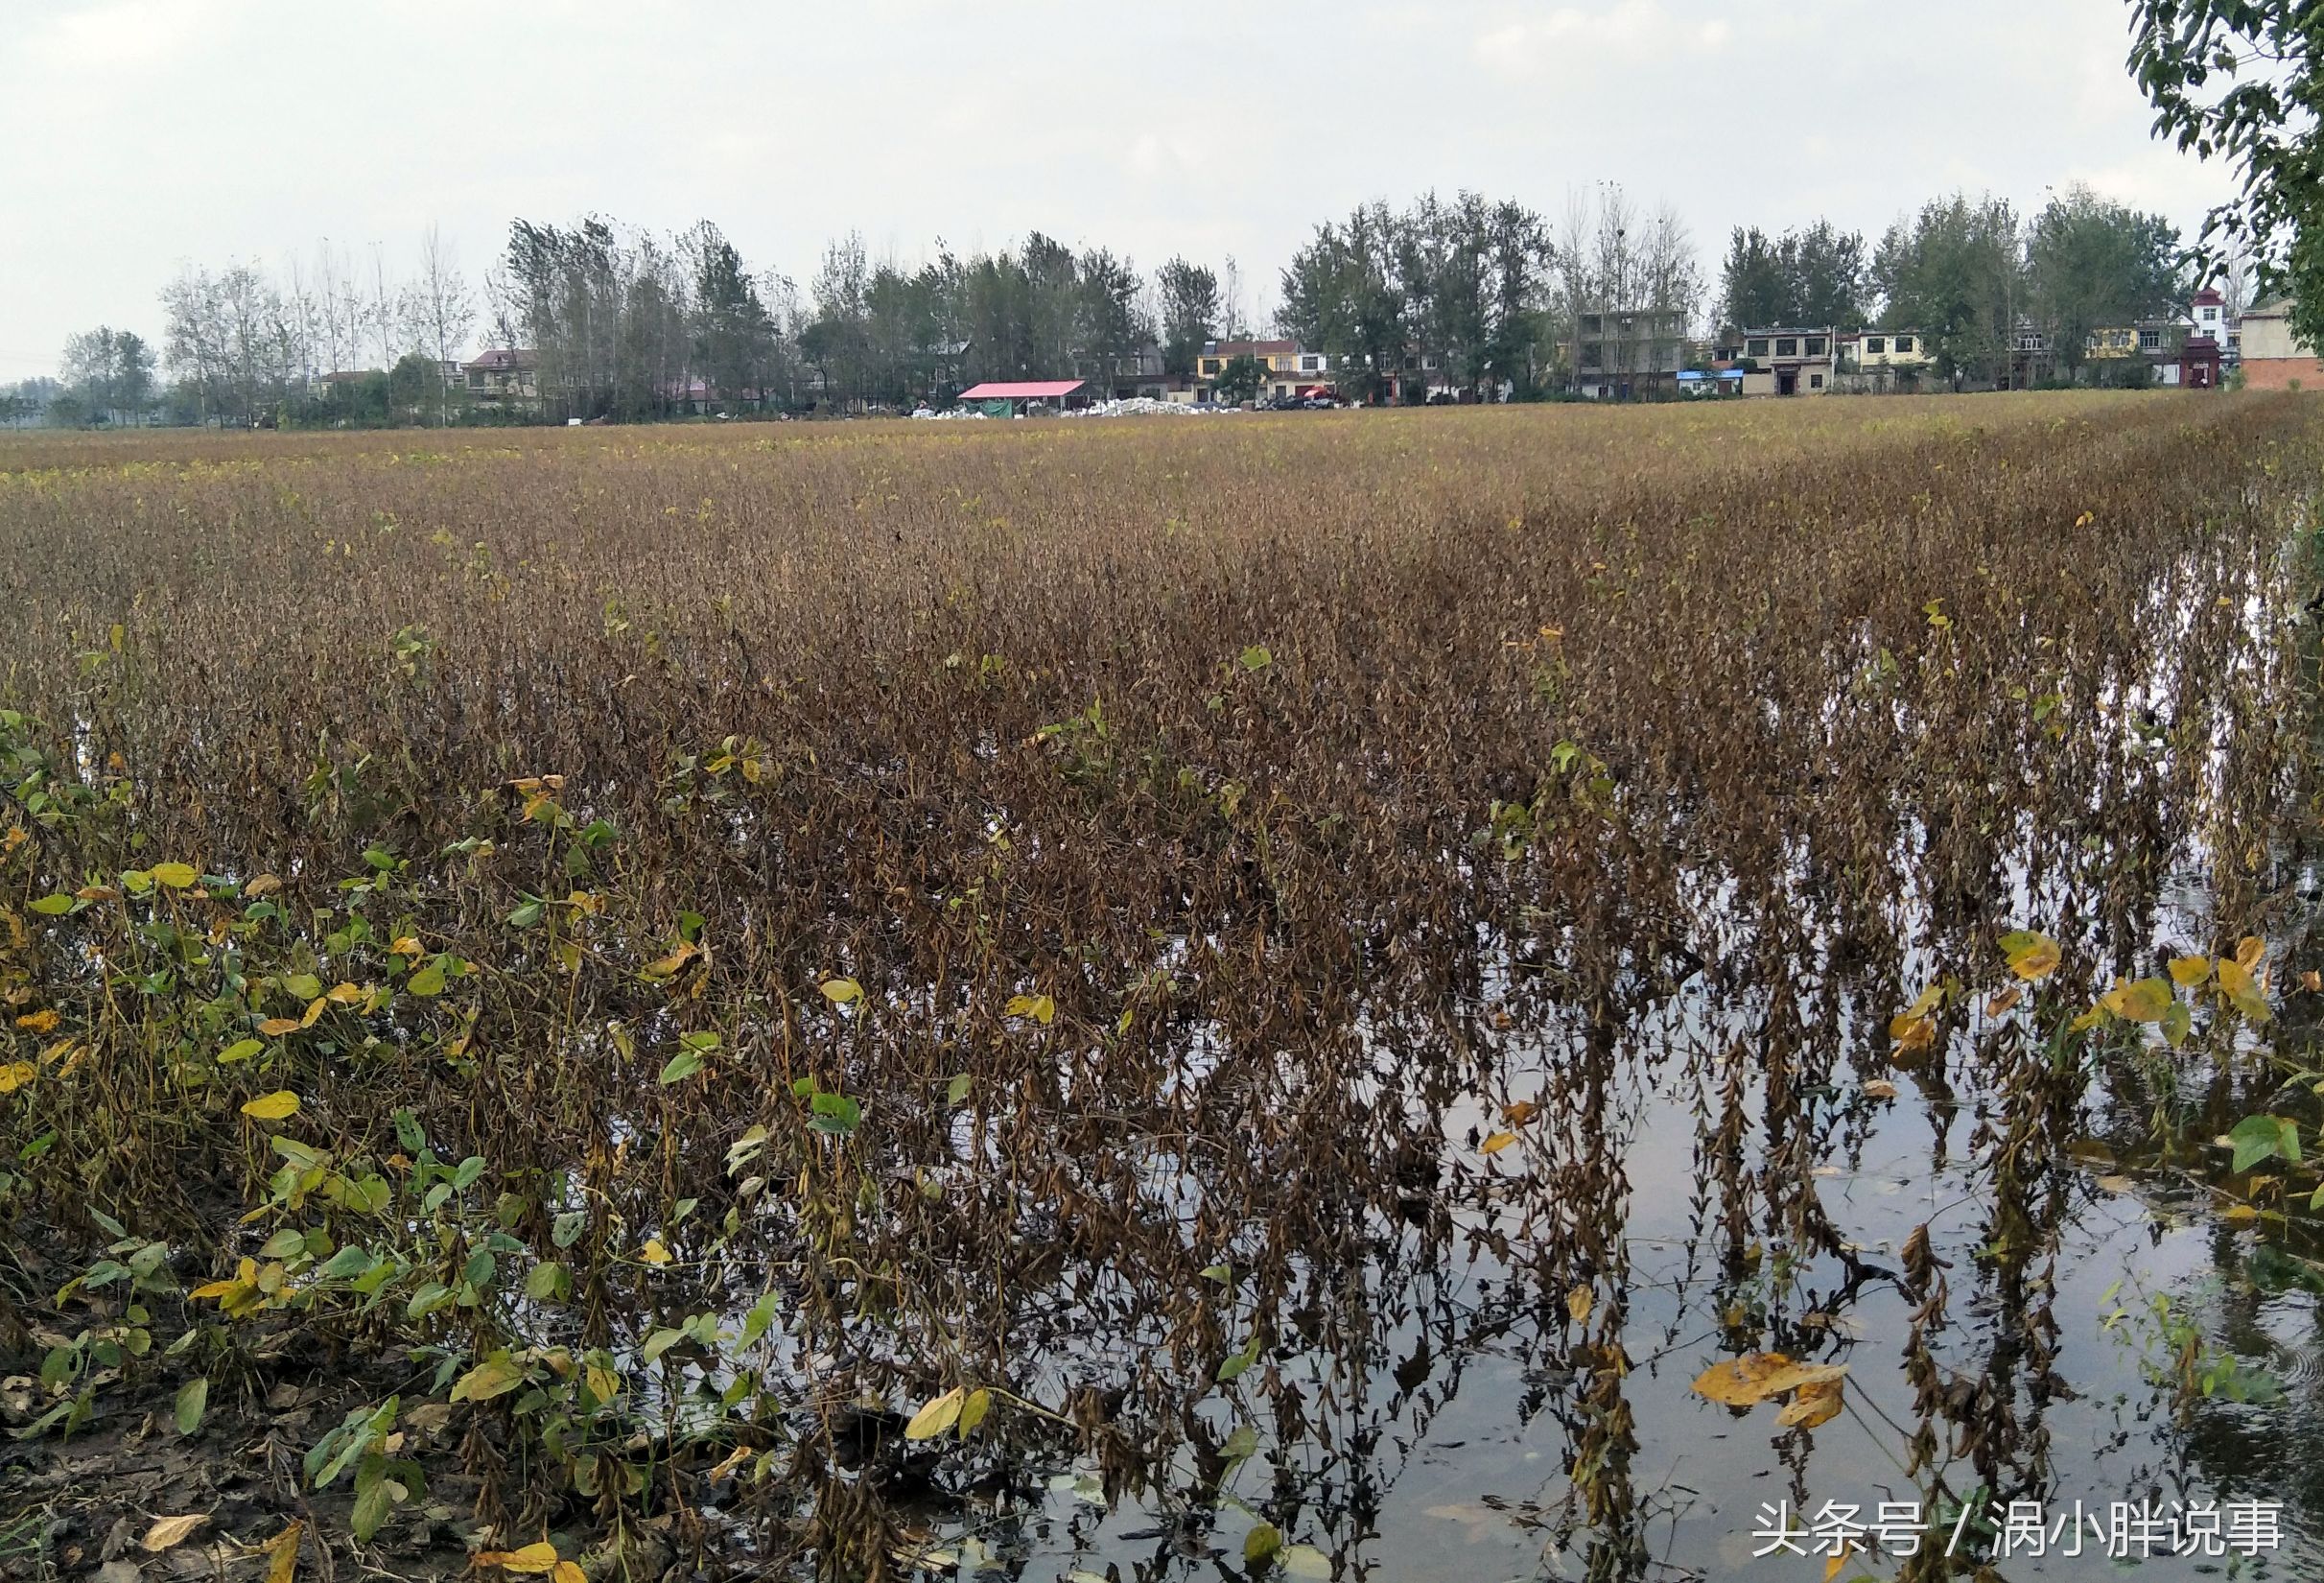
(1898,350)
(1285,367)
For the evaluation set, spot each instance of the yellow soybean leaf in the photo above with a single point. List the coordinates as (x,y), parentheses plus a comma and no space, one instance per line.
(654,1253)
(178,875)
(1795,1376)
(16,1075)
(2143,1002)
(2006,1001)
(493,1377)
(276,1106)
(2242,990)
(1498,1142)
(1578,1305)
(282,1555)
(1741,1381)
(568,1572)
(534,1559)
(937,1416)
(262,886)
(1039,1007)
(2248,951)
(343,994)
(405,945)
(2035,959)
(38,1022)
(170,1531)
(275,1027)
(1816,1403)
(315,1009)
(2190,971)
(840,991)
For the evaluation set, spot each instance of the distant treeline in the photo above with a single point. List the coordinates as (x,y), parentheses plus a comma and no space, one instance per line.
(629,324)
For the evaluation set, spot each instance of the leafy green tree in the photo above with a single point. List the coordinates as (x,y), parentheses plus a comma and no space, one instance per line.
(1815,275)
(1240,379)
(415,387)
(1956,274)
(111,372)
(2094,263)
(1752,288)
(2239,80)
(1189,312)
(1465,280)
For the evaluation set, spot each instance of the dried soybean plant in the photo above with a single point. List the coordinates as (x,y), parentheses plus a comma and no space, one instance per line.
(759,992)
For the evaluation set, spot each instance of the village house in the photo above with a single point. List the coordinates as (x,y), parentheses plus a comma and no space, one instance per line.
(2275,358)
(1628,352)
(1879,360)
(1787,361)
(1285,369)
(505,377)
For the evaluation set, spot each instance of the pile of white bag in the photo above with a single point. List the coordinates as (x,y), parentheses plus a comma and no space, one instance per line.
(1141,407)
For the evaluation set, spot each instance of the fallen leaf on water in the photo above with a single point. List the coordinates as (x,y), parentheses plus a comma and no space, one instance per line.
(1739,1382)
(1817,1403)
(1578,1304)
(168,1531)
(1794,1376)
(1880,1088)
(2118,1184)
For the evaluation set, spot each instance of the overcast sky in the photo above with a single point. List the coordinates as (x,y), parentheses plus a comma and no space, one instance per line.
(143,133)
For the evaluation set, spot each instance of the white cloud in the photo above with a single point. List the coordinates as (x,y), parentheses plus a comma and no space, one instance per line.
(132,36)
(1574,36)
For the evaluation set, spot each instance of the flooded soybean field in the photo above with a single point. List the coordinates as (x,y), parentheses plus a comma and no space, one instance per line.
(1485,994)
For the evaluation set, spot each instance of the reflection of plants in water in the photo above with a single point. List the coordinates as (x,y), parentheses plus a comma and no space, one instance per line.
(2175,1350)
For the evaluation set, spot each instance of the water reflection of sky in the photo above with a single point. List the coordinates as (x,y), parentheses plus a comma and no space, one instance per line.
(1469,1470)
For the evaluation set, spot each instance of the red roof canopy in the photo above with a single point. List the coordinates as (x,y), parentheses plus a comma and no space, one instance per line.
(1020,389)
